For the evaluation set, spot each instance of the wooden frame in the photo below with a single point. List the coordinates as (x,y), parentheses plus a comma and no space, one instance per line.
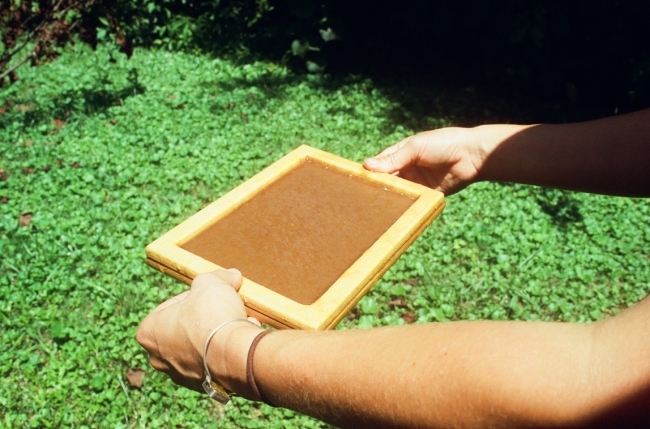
(168,255)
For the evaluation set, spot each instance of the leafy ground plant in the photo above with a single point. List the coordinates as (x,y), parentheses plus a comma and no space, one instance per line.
(99,156)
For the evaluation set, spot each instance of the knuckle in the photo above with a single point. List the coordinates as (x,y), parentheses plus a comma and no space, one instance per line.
(158,364)
(141,335)
(202,280)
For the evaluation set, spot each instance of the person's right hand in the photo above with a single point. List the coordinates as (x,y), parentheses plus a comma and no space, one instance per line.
(446,159)
(175,332)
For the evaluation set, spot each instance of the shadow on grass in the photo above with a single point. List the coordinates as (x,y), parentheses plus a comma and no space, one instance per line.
(30,111)
(562,206)
(417,103)
(272,86)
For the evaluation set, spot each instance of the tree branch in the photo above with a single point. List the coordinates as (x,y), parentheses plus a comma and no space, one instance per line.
(13,68)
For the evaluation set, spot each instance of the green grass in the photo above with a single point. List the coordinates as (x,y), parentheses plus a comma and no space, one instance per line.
(149,141)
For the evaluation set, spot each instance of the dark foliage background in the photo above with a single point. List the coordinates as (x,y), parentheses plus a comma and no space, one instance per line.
(590,52)
(578,59)
(581,58)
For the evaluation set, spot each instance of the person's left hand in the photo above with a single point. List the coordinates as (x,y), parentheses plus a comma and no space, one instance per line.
(175,332)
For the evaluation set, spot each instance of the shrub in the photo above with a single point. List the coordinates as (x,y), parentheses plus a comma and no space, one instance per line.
(38,29)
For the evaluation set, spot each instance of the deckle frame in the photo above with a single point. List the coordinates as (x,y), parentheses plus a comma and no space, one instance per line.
(166,255)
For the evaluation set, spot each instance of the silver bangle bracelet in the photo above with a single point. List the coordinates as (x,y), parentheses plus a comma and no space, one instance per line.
(212,388)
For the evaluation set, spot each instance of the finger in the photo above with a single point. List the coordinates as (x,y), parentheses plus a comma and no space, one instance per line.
(159,364)
(417,175)
(255,321)
(395,158)
(171,301)
(389,149)
(145,334)
(237,278)
(230,277)
(394,147)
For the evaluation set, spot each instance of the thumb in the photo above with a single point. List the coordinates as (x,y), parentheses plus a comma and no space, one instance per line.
(394,158)
(231,277)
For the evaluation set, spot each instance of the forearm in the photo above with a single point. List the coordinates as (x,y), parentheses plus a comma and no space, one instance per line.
(462,374)
(610,155)
(459,374)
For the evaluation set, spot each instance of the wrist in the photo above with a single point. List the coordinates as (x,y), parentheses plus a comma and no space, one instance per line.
(227,356)
(486,139)
(481,148)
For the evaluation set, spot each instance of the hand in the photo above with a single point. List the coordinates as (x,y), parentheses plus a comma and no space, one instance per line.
(447,159)
(175,332)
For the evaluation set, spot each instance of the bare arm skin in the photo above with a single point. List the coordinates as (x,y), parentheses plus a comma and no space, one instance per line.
(608,156)
(459,374)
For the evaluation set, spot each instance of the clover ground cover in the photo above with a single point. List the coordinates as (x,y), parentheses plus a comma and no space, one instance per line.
(100,155)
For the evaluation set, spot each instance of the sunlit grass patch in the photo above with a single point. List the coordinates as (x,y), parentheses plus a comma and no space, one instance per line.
(105,155)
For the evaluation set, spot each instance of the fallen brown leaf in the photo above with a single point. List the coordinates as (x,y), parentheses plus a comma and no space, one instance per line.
(28,143)
(353,314)
(75,164)
(28,170)
(58,124)
(3,110)
(25,107)
(135,377)
(409,317)
(398,302)
(4,200)
(3,174)
(412,281)
(25,218)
